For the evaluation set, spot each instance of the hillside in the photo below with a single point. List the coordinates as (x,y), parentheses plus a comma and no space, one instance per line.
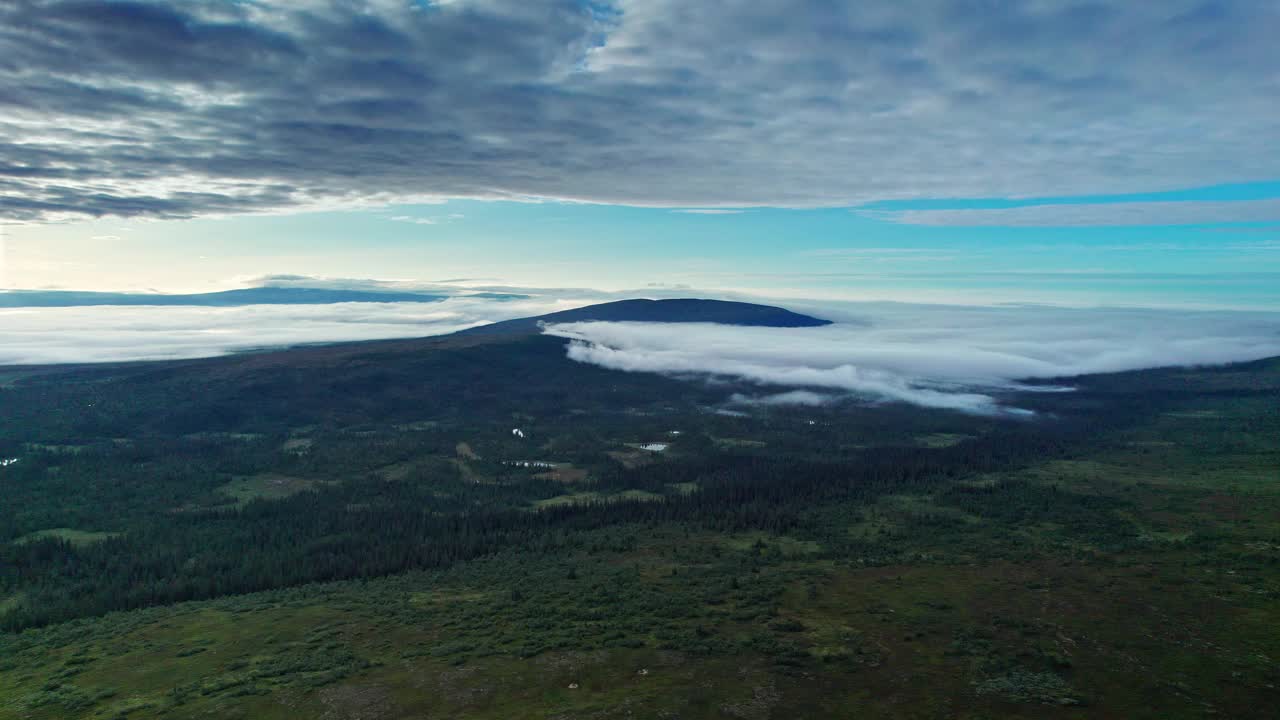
(494,370)
(356,531)
(684,310)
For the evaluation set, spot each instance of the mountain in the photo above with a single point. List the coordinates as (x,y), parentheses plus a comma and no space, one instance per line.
(490,371)
(684,310)
(226,298)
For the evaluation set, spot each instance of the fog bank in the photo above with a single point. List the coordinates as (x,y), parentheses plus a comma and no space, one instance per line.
(935,356)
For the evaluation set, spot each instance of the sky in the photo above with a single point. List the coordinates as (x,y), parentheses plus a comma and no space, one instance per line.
(889,148)
(1087,154)
(837,253)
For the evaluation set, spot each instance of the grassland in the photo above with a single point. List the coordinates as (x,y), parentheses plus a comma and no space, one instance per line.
(71,535)
(265,486)
(587,498)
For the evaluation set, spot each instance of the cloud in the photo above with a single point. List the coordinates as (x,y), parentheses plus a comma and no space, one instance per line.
(943,356)
(1092,214)
(448,287)
(113,334)
(415,221)
(207,107)
(709,211)
(794,397)
(1259,230)
(432,220)
(956,358)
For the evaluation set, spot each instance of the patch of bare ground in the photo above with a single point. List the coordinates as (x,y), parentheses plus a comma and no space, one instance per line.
(757,707)
(631,458)
(356,702)
(1226,507)
(564,474)
(396,472)
(558,662)
(461,686)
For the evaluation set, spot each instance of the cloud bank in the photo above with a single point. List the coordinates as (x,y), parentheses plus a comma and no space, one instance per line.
(122,333)
(1092,214)
(934,356)
(164,109)
(804,398)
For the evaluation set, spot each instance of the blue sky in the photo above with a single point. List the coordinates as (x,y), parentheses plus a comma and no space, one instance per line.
(831,252)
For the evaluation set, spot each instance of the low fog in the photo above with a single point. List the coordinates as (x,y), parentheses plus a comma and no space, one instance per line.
(939,356)
(935,356)
(112,334)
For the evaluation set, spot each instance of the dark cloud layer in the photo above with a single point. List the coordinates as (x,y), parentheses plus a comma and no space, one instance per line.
(179,109)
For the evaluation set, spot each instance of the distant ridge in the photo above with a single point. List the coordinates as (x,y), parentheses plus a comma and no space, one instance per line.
(227,298)
(685,310)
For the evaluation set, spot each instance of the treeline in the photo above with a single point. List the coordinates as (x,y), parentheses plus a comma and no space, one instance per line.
(162,489)
(372,527)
